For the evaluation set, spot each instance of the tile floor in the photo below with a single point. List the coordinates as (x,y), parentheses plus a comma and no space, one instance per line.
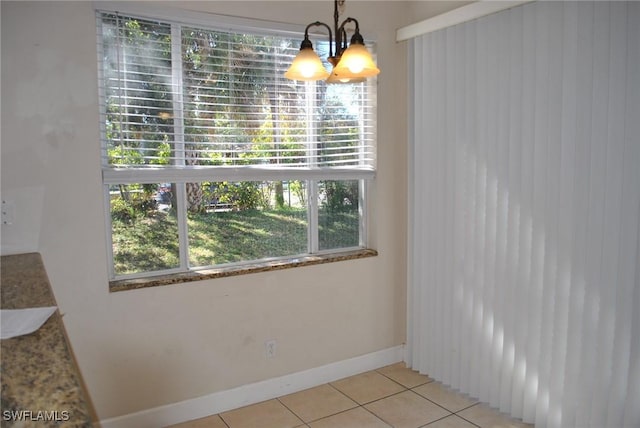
(393,396)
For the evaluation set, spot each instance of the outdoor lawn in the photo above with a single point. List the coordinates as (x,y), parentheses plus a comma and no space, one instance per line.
(150,242)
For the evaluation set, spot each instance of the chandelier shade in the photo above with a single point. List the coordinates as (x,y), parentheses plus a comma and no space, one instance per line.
(307,66)
(356,62)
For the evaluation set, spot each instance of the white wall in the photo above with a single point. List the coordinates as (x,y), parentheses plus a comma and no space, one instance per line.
(145,348)
(421,10)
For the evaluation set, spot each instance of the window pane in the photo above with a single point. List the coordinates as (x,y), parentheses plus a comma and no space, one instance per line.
(242,221)
(338,214)
(144,228)
(137,85)
(239,108)
(343,130)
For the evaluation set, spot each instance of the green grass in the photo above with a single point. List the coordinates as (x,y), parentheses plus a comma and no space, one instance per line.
(145,243)
(227,237)
(151,243)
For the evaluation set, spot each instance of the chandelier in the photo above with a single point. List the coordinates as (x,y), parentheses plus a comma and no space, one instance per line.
(351,64)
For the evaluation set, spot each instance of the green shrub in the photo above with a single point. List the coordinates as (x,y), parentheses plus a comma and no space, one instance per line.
(298,189)
(122,211)
(243,195)
(143,204)
(339,195)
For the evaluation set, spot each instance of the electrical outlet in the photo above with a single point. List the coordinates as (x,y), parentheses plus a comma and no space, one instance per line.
(270,348)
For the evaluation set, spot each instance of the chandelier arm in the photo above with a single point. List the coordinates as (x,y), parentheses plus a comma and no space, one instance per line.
(356,38)
(336,17)
(348,20)
(320,24)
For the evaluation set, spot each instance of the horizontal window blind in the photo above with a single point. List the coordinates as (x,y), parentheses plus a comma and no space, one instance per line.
(194,101)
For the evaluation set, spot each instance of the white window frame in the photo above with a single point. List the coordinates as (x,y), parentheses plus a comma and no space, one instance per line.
(311,175)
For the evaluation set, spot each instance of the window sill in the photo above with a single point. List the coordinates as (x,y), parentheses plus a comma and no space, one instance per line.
(212,273)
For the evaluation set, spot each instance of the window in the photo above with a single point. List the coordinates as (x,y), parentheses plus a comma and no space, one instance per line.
(210,157)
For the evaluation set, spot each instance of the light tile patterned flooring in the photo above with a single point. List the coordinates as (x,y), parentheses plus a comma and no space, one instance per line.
(393,396)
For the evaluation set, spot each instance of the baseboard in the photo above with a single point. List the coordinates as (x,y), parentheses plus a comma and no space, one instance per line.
(254,393)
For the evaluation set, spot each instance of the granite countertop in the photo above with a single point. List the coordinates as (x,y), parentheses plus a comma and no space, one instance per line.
(41,383)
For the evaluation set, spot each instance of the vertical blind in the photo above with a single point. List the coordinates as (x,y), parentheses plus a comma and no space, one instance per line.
(524,269)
